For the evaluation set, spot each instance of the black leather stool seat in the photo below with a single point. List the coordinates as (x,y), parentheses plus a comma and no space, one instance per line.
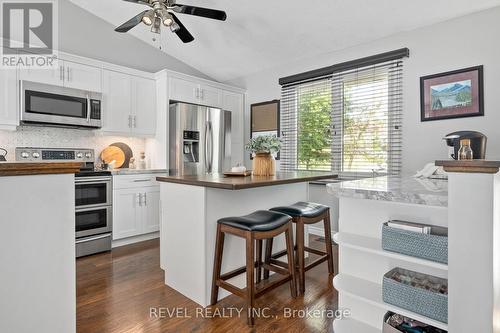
(261,220)
(302,209)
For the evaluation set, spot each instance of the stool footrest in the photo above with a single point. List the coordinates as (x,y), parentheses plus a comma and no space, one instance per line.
(231,288)
(272,285)
(318,252)
(315,263)
(276,269)
(278,263)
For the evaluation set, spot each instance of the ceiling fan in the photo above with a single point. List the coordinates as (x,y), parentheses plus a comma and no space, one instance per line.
(162,12)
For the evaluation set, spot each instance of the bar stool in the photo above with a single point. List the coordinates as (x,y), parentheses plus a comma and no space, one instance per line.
(253,227)
(303,213)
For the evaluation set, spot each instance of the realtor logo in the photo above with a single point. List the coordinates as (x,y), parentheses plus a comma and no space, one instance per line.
(29,33)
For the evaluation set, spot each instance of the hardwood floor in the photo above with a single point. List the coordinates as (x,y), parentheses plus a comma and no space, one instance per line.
(116,292)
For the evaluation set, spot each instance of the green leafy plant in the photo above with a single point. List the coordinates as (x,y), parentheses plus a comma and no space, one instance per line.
(264,144)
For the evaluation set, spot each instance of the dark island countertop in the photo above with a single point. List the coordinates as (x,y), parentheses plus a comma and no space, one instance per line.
(470,166)
(30,169)
(239,183)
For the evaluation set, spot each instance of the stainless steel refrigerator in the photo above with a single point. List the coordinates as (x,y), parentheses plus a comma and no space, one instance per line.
(199,139)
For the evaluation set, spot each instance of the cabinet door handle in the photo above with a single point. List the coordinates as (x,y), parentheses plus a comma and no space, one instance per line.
(197,93)
(145,199)
(61,73)
(141,180)
(139,198)
(135,121)
(67,74)
(201,93)
(129,121)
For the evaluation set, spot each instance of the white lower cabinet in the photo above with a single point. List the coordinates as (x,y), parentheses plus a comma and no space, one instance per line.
(136,208)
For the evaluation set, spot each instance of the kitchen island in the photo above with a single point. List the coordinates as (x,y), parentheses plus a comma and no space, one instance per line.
(190,208)
(37,247)
(467,204)
(364,205)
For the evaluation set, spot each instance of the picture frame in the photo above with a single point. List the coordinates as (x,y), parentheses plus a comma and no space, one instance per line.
(453,94)
(265,119)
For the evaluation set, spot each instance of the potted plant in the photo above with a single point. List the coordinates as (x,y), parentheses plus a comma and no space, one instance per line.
(263,147)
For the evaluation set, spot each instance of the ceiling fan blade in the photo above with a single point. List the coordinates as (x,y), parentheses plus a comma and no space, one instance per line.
(182,32)
(200,11)
(131,23)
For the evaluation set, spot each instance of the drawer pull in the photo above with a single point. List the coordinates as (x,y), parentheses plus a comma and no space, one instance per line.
(141,180)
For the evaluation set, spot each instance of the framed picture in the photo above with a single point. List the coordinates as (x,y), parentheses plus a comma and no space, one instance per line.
(453,94)
(265,119)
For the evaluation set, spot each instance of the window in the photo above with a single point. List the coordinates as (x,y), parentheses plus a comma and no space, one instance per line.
(348,122)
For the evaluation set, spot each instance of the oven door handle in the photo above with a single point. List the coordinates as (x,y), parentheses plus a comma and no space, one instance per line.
(89,239)
(92,180)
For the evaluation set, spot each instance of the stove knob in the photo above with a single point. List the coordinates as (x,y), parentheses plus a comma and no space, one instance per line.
(25,154)
(88,155)
(35,155)
(79,155)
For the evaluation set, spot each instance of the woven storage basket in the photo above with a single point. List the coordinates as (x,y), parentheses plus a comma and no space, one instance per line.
(432,247)
(425,302)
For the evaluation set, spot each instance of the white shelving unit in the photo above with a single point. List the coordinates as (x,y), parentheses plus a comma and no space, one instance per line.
(353,326)
(374,245)
(363,262)
(371,292)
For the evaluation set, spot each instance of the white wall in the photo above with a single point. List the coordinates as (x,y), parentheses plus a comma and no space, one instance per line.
(467,41)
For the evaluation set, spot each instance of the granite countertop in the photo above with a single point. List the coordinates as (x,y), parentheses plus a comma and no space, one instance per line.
(118,172)
(430,192)
(239,183)
(30,169)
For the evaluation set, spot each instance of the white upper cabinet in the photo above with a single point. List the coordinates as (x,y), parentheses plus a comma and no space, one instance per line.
(209,95)
(183,90)
(82,77)
(144,106)
(129,104)
(53,76)
(116,102)
(191,91)
(67,74)
(8,99)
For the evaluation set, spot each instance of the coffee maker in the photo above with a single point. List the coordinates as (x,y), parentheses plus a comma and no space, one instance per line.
(477,143)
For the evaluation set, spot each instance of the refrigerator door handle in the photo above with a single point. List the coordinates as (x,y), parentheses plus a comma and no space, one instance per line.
(211,146)
(206,148)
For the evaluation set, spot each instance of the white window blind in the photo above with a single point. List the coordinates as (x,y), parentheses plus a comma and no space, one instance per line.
(348,122)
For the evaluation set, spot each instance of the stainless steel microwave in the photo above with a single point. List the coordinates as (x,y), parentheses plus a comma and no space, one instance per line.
(59,106)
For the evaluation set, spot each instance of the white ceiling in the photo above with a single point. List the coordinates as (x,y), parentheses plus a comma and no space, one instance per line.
(261,35)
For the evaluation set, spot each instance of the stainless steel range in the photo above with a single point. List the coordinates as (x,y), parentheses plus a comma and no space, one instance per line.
(93,196)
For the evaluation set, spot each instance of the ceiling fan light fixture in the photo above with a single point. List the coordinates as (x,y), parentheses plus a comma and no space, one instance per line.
(148,18)
(174,27)
(166,18)
(156,27)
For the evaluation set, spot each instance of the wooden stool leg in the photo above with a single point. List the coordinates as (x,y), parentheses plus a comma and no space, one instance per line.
(250,278)
(219,247)
(328,242)
(259,260)
(267,256)
(291,261)
(300,255)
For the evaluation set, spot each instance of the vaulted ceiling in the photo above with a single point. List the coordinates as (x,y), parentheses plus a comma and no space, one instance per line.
(259,35)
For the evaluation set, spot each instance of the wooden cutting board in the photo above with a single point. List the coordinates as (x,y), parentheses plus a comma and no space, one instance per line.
(128,152)
(111,154)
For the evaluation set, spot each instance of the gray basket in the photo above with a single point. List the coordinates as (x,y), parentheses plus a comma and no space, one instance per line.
(425,302)
(432,247)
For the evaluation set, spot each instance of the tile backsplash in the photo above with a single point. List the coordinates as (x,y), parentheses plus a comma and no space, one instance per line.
(53,137)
